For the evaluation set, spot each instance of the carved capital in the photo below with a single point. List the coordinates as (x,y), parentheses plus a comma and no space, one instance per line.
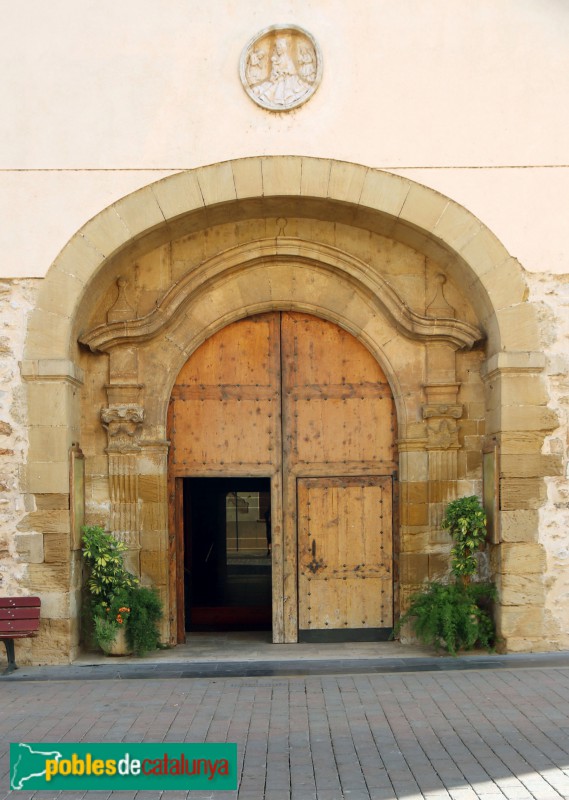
(123,423)
(445,410)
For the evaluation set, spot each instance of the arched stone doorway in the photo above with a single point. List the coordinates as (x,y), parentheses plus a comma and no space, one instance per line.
(417,279)
(296,400)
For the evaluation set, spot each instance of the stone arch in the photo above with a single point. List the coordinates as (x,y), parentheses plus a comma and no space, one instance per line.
(245,272)
(338,192)
(410,212)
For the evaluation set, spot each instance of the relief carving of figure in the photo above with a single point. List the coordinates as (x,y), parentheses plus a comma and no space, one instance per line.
(284,86)
(255,69)
(307,70)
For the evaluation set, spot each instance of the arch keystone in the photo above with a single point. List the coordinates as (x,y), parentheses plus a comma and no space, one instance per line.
(281,175)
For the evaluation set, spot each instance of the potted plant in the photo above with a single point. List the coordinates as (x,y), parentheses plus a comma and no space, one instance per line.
(124,615)
(455,615)
(110,627)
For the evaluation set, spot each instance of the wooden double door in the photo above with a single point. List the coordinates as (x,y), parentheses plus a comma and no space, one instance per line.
(299,400)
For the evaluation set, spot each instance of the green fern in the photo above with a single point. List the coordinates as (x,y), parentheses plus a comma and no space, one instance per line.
(452,616)
(145,612)
(455,616)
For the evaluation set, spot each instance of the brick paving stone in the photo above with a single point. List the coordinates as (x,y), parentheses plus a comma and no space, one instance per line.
(382,794)
(462,794)
(517,794)
(453,735)
(93,794)
(489,796)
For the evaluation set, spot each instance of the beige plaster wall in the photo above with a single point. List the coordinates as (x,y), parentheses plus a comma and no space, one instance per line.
(465,97)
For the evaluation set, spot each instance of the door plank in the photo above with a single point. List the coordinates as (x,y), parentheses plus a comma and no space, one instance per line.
(344,553)
(338,404)
(226,400)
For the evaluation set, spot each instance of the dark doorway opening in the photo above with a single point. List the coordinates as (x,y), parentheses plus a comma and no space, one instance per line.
(227,538)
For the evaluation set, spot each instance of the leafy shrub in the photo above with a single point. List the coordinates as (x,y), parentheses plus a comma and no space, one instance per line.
(465,519)
(116,598)
(142,625)
(456,615)
(107,575)
(452,616)
(105,631)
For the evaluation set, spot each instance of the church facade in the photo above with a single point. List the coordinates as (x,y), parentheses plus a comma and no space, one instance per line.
(274,293)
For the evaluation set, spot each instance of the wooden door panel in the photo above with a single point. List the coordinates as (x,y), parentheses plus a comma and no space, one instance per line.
(241,354)
(227,433)
(338,413)
(226,402)
(338,404)
(323,354)
(331,431)
(345,553)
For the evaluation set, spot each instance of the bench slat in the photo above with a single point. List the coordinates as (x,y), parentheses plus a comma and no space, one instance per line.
(19,613)
(18,625)
(19,602)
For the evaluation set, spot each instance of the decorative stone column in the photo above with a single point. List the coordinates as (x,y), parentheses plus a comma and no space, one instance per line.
(123,419)
(442,445)
(123,423)
(441,414)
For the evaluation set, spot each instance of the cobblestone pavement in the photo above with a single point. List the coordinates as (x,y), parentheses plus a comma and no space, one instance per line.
(448,734)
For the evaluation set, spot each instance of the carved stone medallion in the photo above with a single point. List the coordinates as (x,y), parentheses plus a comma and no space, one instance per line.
(281,67)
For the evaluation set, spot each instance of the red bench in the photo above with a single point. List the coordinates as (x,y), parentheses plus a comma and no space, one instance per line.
(19,618)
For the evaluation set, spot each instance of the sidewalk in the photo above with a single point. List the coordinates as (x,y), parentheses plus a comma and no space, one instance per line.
(397,726)
(212,655)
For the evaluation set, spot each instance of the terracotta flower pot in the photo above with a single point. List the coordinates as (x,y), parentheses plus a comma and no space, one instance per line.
(120,646)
